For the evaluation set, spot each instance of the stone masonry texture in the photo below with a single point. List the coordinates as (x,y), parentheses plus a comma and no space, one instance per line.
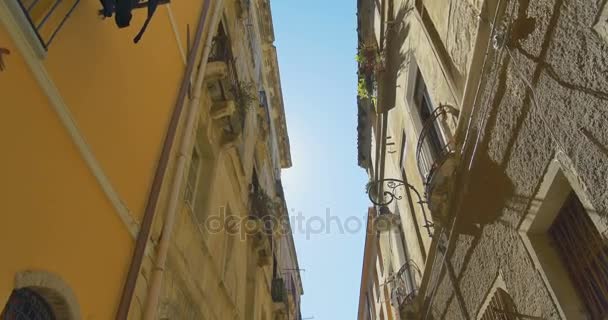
(552,46)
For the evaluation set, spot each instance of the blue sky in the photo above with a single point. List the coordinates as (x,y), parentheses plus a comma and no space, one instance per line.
(316,42)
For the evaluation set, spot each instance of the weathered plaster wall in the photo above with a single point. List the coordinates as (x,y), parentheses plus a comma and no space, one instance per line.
(555,48)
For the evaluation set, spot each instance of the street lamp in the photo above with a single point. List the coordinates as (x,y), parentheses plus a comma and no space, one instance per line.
(383,192)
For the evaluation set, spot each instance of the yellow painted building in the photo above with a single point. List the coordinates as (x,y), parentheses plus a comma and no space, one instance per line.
(116,153)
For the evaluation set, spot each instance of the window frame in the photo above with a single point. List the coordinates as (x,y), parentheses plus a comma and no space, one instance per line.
(190,203)
(402,154)
(559,181)
(423,104)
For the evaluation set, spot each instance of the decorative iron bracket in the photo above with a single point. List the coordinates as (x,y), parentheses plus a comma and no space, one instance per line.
(390,191)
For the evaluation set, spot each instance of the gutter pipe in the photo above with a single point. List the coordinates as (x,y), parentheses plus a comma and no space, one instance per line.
(149,212)
(151,306)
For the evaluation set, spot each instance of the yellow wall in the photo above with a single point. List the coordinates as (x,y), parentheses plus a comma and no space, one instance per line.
(54,216)
(122,94)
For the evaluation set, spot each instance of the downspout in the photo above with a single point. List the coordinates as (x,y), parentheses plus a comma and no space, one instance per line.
(148,218)
(151,306)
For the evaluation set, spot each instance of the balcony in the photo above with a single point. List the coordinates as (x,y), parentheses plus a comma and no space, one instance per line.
(262,222)
(404,293)
(231,98)
(42,19)
(435,155)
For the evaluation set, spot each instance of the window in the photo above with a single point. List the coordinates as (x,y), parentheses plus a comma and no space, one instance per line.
(406,275)
(501,307)
(560,232)
(379,254)
(192,180)
(201,176)
(220,46)
(584,253)
(424,106)
(26,304)
(229,270)
(402,154)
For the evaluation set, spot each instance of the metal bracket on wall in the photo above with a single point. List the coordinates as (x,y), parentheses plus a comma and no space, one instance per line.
(381,196)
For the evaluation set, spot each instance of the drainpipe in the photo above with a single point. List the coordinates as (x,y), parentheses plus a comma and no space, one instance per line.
(148,218)
(151,307)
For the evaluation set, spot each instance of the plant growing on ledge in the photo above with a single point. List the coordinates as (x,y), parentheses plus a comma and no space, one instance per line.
(245,99)
(262,204)
(365,89)
(369,60)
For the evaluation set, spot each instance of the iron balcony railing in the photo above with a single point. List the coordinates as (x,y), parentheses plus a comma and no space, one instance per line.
(220,49)
(263,208)
(434,146)
(222,52)
(47,17)
(404,289)
(228,88)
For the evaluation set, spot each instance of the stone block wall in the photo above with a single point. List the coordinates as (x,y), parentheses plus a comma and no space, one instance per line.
(554,48)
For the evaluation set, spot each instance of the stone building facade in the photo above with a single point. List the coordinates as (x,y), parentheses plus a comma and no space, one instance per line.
(148,185)
(495,112)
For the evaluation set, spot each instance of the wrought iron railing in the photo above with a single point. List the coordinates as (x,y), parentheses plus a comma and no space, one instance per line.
(433,147)
(228,88)
(263,208)
(404,289)
(220,49)
(47,17)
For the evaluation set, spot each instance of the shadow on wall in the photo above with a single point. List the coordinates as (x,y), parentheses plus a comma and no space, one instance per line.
(395,57)
(490,189)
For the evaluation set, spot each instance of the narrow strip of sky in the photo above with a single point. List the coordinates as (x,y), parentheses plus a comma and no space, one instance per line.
(316,42)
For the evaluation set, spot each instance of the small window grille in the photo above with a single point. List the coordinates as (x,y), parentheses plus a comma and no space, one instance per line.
(47,17)
(25,304)
(501,307)
(584,253)
(192,178)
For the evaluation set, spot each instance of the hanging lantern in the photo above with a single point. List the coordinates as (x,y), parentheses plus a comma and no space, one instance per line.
(386,220)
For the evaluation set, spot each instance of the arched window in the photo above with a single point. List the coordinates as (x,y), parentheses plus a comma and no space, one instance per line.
(40,295)
(26,304)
